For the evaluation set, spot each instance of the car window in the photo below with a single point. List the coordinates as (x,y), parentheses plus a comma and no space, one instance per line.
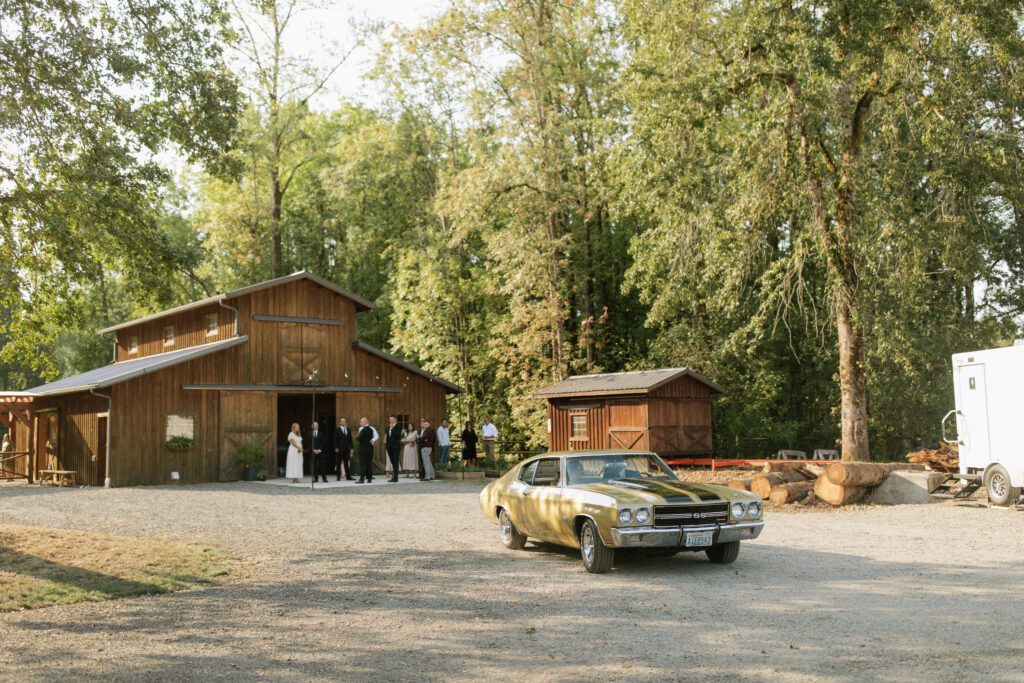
(547,472)
(526,474)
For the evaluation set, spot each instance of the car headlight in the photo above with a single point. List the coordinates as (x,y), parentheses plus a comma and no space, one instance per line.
(738,509)
(625,516)
(754,509)
(643,515)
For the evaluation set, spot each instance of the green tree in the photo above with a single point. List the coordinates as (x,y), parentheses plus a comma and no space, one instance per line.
(839,159)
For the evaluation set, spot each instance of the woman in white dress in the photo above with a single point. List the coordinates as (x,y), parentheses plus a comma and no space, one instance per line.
(410,457)
(293,465)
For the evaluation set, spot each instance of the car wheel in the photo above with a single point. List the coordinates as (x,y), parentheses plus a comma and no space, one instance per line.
(724,553)
(597,557)
(661,552)
(997,484)
(510,536)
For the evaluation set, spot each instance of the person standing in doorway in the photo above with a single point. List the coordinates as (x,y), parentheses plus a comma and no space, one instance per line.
(367,439)
(444,442)
(343,449)
(316,441)
(427,440)
(489,433)
(293,465)
(393,445)
(469,439)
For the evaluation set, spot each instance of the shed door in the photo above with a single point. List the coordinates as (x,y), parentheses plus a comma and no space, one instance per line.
(974,406)
(245,417)
(627,425)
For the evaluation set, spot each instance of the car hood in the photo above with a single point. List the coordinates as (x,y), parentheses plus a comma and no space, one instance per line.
(657,492)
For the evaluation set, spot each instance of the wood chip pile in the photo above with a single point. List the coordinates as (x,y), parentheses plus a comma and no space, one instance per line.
(838,483)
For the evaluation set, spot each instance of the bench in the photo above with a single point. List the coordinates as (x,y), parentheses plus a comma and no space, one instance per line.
(57,477)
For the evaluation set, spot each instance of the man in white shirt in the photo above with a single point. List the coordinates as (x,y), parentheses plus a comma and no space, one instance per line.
(444,441)
(489,436)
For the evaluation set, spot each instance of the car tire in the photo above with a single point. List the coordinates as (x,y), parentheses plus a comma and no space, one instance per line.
(661,552)
(997,485)
(597,557)
(510,536)
(724,553)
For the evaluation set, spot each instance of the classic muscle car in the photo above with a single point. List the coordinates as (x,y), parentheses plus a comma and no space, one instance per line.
(598,501)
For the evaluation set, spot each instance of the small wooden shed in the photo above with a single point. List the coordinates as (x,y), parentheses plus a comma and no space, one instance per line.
(667,411)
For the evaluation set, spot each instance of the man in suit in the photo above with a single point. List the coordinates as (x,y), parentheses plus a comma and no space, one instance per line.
(367,438)
(343,448)
(427,440)
(317,444)
(393,445)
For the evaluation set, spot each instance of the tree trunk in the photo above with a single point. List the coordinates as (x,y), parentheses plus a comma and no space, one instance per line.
(275,226)
(852,384)
(864,473)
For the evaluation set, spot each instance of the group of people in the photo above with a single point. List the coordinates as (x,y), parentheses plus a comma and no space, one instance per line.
(408,450)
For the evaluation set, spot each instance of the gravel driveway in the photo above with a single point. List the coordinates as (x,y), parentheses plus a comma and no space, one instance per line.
(411,583)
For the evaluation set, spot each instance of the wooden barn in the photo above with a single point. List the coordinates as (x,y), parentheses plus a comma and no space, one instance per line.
(232,369)
(666,411)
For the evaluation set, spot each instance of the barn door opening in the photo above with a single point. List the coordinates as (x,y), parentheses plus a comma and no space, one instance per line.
(245,417)
(46,441)
(302,408)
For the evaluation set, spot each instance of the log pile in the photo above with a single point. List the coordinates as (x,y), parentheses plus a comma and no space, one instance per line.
(838,483)
(945,459)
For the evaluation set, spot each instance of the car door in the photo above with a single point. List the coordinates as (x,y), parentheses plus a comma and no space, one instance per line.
(543,513)
(518,497)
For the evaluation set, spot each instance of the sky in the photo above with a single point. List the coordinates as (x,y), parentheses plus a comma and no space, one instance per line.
(314,31)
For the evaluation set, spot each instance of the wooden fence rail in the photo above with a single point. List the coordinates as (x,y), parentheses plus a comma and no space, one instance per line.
(6,471)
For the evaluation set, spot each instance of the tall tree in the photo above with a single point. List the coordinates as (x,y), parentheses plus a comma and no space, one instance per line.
(90,93)
(827,129)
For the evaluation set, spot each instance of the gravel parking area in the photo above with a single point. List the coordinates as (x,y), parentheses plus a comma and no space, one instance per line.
(411,583)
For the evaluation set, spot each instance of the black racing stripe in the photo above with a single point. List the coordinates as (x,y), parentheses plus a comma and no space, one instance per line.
(670,492)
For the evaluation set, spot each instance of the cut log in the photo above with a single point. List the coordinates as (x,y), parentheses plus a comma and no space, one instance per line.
(791,493)
(834,494)
(945,459)
(741,484)
(864,473)
(762,485)
(776,466)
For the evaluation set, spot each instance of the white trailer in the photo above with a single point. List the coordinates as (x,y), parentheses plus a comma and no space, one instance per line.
(988,387)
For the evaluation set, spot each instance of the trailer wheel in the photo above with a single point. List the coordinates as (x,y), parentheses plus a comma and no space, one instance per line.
(997,484)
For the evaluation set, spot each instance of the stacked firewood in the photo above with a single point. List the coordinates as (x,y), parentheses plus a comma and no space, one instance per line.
(945,459)
(838,483)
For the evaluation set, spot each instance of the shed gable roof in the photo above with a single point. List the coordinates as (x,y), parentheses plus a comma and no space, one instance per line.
(361,303)
(637,382)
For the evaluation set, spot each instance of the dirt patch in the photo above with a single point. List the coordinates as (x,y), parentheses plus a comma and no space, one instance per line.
(45,567)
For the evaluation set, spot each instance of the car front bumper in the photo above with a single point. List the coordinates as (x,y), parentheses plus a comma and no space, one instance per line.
(651,537)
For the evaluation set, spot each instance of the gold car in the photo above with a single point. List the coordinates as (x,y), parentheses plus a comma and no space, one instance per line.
(598,501)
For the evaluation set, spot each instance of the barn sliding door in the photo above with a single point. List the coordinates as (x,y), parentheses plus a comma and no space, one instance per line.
(246,417)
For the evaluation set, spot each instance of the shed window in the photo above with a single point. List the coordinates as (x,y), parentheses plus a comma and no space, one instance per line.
(169,335)
(180,425)
(211,324)
(578,426)
(133,344)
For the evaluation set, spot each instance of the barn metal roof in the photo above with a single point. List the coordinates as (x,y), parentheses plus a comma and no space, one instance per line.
(638,382)
(116,373)
(361,303)
(449,387)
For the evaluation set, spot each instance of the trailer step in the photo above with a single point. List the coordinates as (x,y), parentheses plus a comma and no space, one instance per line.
(958,486)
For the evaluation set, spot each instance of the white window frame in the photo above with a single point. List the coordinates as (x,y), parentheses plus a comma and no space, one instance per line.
(212,318)
(180,425)
(169,338)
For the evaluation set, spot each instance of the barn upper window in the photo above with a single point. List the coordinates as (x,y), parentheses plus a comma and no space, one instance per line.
(211,324)
(133,344)
(169,335)
(578,426)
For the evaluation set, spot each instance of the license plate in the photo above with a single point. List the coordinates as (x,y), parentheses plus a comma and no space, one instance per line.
(699,539)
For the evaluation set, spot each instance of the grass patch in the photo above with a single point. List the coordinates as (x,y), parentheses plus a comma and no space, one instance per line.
(43,567)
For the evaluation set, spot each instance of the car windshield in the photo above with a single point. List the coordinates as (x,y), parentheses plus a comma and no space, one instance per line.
(592,469)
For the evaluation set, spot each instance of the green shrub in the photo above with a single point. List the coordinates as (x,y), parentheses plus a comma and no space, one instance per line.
(250,454)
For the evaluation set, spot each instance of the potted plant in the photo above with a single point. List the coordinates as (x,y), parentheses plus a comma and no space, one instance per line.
(251,457)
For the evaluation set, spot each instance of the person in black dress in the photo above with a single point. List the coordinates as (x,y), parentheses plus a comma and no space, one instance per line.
(469,439)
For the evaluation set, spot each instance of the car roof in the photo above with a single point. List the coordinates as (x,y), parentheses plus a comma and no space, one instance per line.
(590,452)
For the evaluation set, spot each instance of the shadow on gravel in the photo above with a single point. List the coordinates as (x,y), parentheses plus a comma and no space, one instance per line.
(459,614)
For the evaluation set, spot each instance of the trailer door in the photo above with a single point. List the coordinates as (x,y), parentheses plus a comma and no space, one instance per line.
(974,406)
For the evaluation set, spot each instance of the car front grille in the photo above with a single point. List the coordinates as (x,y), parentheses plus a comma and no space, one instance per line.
(690,515)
